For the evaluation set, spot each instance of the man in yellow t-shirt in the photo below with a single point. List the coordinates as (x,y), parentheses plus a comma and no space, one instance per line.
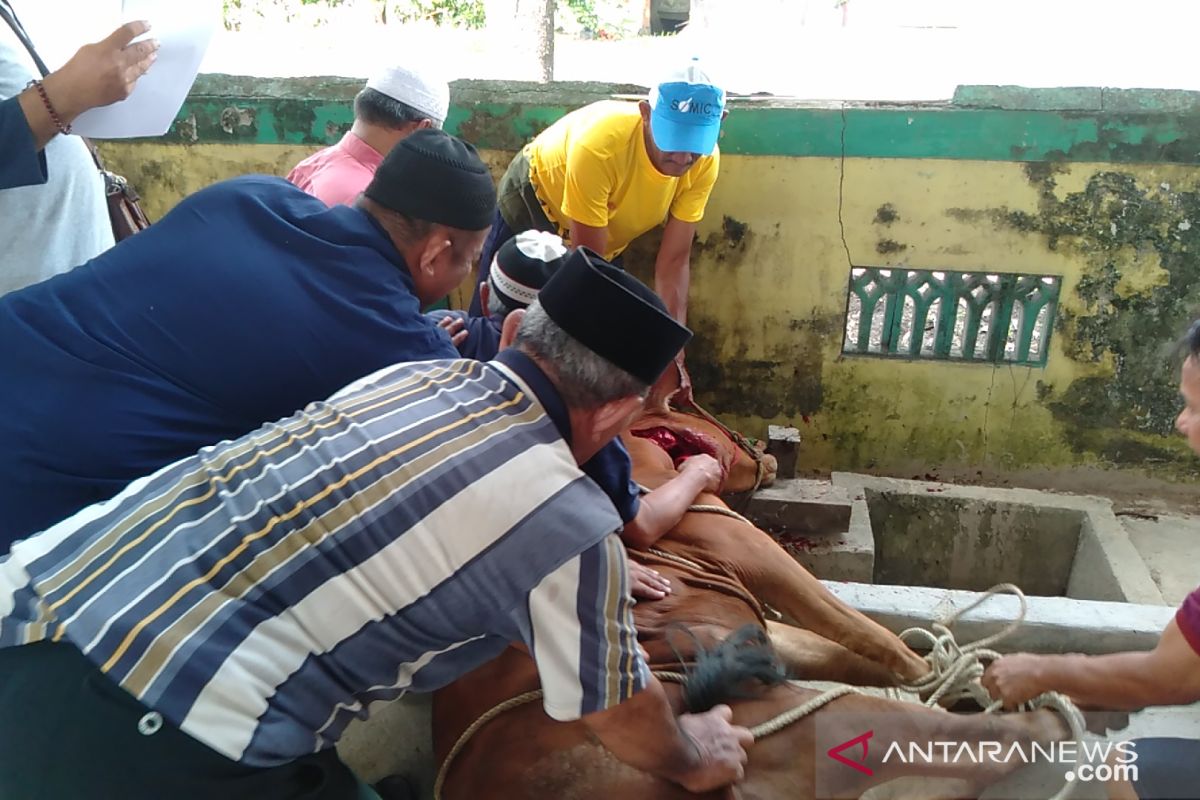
(607,173)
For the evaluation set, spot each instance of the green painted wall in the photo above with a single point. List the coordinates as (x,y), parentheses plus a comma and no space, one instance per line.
(1097,186)
(981,123)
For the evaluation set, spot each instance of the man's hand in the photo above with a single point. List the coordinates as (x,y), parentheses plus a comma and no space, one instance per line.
(646,583)
(708,468)
(102,73)
(721,746)
(456,327)
(1015,679)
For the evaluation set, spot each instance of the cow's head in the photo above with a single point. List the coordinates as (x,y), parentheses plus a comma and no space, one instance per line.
(682,435)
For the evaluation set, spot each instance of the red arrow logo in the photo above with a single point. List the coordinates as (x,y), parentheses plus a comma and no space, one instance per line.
(835,753)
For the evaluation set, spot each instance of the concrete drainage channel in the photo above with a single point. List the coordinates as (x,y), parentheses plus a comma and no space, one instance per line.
(910,552)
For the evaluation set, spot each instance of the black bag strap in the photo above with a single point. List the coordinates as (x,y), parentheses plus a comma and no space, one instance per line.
(10,16)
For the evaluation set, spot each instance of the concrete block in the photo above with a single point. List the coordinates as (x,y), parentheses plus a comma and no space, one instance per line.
(816,524)
(1052,624)
(1108,566)
(1104,565)
(784,444)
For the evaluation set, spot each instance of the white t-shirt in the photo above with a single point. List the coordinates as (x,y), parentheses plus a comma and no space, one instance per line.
(48,229)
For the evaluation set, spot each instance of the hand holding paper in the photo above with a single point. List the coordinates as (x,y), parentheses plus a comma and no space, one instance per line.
(183,32)
(102,73)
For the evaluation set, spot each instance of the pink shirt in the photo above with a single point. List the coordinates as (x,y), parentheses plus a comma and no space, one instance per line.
(338,174)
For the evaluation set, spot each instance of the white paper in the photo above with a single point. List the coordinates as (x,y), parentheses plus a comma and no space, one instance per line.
(183,30)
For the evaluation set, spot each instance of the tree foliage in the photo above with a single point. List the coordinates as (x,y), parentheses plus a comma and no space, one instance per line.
(453,13)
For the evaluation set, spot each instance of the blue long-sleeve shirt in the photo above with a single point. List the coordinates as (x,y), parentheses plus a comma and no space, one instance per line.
(247,301)
(21,163)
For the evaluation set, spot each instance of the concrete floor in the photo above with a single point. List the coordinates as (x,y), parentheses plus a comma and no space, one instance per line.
(1170,546)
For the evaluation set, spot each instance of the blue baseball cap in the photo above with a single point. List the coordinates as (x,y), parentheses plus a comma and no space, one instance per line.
(686,111)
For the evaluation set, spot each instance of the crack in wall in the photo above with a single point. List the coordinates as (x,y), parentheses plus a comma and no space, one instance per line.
(842,188)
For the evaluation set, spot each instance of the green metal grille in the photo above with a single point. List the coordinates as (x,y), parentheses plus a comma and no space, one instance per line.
(961,316)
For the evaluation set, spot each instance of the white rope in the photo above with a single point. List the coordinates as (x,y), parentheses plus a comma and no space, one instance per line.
(956,671)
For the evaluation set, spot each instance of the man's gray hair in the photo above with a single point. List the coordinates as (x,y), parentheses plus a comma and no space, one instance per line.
(583,379)
(376,108)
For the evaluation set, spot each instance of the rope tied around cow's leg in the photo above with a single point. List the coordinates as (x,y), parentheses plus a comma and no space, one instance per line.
(956,670)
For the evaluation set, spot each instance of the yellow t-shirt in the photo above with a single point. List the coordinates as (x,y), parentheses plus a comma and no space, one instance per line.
(591,166)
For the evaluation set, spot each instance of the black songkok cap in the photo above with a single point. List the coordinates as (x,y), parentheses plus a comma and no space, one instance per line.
(432,176)
(614,315)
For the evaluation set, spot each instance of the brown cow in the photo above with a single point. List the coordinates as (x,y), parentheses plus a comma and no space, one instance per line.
(722,570)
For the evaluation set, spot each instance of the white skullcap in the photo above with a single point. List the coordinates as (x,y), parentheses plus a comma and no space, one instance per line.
(419,90)
(541,245)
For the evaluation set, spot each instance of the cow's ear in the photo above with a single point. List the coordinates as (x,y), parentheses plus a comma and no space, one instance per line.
(508,329)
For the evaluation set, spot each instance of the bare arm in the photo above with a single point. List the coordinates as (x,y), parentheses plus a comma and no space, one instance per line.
(701,752)
(1167,675)
(661,509)
(593,238)
(98,75)
(672,268)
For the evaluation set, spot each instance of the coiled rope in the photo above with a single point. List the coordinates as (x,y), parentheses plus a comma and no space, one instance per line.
(956,670)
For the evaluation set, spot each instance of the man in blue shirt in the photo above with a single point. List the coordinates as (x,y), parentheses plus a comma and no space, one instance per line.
(249,300)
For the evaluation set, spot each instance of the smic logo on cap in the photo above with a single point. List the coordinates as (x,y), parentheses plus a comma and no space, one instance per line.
(690,106)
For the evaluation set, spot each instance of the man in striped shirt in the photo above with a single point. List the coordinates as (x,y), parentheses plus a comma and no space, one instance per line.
(211,630)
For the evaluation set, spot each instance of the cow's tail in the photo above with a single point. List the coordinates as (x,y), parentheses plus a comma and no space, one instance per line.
(740,667)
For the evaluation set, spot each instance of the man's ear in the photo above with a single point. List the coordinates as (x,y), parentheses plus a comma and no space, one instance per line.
(644,107)
(485,292)
(613,417)
(724,114)
(508,329)
(434,247)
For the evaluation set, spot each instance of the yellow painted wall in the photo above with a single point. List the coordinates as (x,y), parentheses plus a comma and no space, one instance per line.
(769,305)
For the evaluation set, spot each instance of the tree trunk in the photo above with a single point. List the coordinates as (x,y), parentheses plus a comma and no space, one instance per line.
(527,29)
(538,35)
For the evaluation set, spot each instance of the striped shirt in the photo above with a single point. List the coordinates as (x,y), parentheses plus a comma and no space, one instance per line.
(263,593)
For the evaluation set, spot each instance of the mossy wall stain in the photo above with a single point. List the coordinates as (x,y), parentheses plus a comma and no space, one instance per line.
(784,381)
(507,127)
(1118,227)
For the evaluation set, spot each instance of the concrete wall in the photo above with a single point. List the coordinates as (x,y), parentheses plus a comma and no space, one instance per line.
(1099,187)
(929,539)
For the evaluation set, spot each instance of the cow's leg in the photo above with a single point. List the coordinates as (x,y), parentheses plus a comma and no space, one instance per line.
(812,657)
(779,581)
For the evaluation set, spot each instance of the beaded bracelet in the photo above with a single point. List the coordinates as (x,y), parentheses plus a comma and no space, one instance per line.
(57,120)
